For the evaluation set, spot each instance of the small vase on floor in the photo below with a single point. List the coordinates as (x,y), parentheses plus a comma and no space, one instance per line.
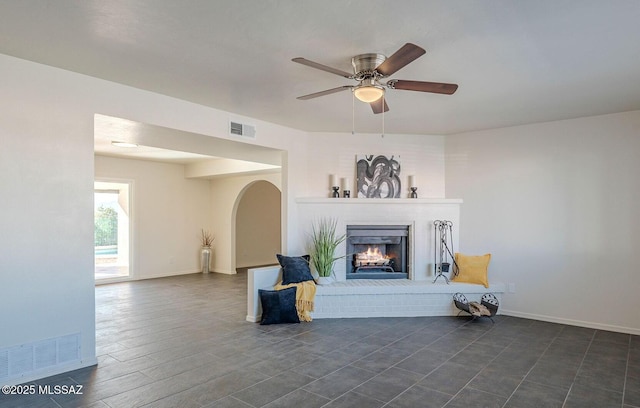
(205,259)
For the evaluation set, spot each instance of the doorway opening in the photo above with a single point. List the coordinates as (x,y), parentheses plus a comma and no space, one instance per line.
(258,227)
(112,231)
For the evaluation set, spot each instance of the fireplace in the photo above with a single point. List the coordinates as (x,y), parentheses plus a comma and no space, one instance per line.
(377,252)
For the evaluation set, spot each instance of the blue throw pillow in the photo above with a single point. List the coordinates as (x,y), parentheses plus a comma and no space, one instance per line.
(278,306)
(295,269)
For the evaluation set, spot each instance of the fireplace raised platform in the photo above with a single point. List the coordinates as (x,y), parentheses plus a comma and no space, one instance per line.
(373,298)
(394,298)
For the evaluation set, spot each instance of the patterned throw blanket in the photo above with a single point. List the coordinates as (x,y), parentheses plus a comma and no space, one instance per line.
(305,295)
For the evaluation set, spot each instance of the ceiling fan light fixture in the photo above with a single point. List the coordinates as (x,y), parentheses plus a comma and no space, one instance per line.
(368,93)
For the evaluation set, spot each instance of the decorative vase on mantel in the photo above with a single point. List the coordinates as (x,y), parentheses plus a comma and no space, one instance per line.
(205,259)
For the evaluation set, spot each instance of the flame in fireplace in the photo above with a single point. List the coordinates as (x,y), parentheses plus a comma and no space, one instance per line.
(373,256)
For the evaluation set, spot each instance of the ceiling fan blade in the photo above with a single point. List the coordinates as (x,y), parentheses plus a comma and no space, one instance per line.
(421,86)
(321,67)
(406,54)
(378,105)
(323,93)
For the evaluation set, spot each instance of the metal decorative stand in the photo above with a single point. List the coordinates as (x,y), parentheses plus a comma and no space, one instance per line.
(489,302)
(443,231)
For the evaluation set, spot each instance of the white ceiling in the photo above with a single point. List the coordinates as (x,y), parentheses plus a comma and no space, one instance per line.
(516,62)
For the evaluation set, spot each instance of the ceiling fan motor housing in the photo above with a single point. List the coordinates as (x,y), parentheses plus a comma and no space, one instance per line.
(364,65)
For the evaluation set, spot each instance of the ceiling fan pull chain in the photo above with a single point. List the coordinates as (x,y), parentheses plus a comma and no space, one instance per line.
(353,114)
(383,103)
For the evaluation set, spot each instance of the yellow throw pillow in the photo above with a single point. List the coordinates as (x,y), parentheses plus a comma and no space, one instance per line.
(472,269)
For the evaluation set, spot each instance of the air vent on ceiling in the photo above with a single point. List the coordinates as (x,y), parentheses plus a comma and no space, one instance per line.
(239,129)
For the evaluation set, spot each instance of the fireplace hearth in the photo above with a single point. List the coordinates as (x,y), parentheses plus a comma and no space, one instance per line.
(377,252)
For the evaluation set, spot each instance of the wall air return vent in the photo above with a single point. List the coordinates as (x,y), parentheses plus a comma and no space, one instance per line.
(4,363)
(239,129)
(41,357)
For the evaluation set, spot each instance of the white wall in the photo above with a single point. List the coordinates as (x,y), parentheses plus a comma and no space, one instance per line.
(46,174)
(335,153)
(556,205)
(168,213)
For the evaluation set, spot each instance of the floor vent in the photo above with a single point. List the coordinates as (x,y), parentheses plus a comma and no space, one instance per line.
(20,361)
(239,129)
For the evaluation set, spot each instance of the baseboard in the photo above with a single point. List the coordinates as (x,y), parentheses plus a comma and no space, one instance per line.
(166,274)
(226,272)
(571,322)
(253,319)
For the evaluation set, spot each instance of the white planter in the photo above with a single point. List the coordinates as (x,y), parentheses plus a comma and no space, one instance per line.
(325,280)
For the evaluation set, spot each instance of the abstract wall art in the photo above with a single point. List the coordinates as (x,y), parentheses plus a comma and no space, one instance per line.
(378,176)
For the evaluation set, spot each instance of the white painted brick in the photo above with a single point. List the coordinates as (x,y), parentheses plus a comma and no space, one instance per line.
(382,298)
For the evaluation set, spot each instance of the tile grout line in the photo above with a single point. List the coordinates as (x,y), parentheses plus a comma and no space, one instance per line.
(468,382)
(377,374)
(317,379)
(626,371)
(440,365)
(533,366)
(566,397)
(426,375)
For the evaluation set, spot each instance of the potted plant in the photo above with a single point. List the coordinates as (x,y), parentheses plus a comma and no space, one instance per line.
(324,241)
(206,240)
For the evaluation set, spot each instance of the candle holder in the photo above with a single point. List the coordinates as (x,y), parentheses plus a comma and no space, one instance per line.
(346,193)
(414,194)
(335,193)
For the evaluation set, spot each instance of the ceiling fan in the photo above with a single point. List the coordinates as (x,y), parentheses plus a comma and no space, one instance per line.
(369,69)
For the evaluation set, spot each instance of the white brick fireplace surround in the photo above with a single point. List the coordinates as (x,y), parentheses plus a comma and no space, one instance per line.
(418,214)
(416,296)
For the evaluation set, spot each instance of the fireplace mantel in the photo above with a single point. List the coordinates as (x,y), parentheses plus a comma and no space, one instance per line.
(377,201)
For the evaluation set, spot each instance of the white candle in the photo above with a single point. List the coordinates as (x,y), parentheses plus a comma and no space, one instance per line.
(334,182)
(346,184)
(412,181)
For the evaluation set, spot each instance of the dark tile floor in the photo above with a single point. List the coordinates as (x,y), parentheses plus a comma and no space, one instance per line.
(184,342)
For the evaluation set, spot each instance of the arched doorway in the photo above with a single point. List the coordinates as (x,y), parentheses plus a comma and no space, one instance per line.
(257,225)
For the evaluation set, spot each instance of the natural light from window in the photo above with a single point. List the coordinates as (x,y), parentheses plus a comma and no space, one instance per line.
(111,233)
